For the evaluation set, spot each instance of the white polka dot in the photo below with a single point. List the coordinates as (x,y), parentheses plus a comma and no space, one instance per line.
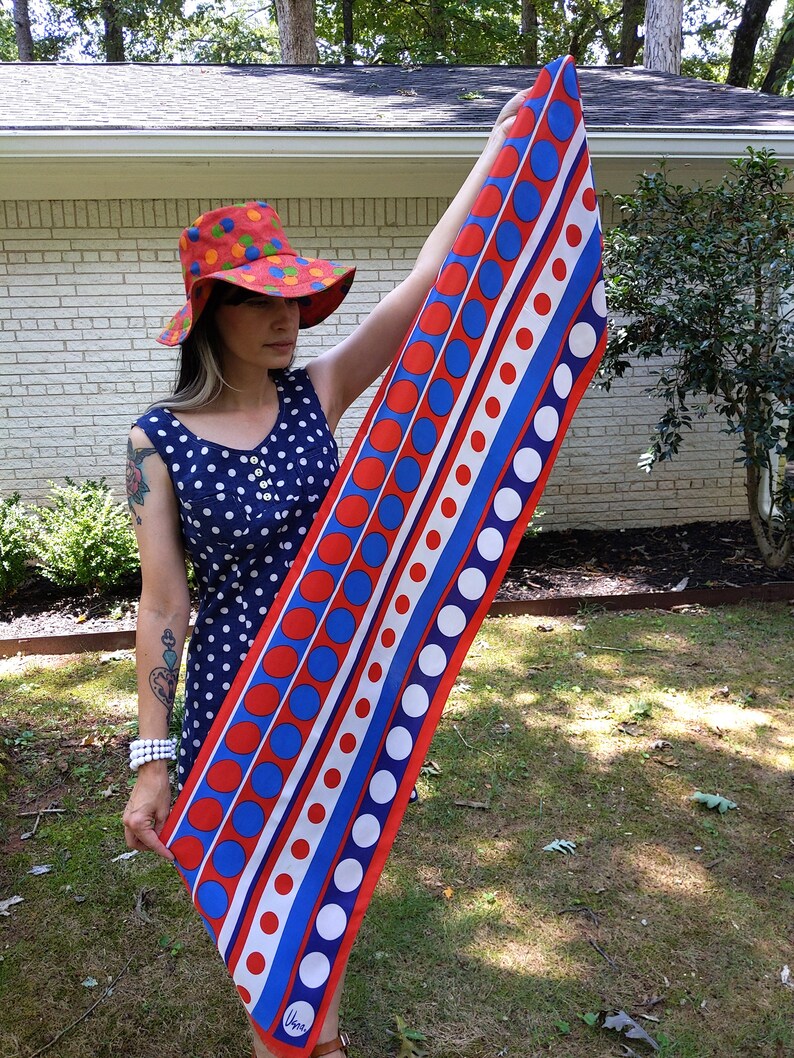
(472,584)
(415,701)
(562,381)
(348,875)
(507,505)
(599,299)
(582,339)
(399,743)
(298,1018)
(366,830)
(314,969)
(432,660)
(451,621)
(331,921)
(546,423)
(382,787)
(490,544)
(527,464)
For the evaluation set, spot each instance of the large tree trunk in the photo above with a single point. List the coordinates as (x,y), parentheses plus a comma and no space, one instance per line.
(296,32)
(630,40)
(663,35)
(529,32)
(347,31)
(781,61)
(438,27)
(22,30)
(745,42)
(114,32)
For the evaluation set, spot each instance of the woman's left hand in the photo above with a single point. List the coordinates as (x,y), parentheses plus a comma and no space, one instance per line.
(507,116)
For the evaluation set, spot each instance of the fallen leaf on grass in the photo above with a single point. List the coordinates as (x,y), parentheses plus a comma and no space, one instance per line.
(93,740)
(669,762)
(785,977)
(568,848)
(430,768)
(714,801)
(630,729)
(621,1022)
(42,868)
(5,904)
(111,790)
(544,628)
(411,1041)
(448,892)
(660,743)
(90,982)
(472,804)
(721,692)
(125,856)
(143,900)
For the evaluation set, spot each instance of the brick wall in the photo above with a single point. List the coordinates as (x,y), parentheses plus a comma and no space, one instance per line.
(85,286)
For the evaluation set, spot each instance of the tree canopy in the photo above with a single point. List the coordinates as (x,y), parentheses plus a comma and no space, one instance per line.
(699,282)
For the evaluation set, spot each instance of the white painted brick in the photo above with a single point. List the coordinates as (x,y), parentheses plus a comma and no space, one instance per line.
(80,308)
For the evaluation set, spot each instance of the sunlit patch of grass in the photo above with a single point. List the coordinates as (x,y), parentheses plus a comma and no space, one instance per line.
(475,935)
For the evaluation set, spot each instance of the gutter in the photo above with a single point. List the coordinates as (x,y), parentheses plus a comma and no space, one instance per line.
(176,144)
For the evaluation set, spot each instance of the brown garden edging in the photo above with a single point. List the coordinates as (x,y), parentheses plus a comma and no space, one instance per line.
(84,642)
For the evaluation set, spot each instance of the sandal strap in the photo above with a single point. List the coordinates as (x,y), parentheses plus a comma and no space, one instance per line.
(340,1043)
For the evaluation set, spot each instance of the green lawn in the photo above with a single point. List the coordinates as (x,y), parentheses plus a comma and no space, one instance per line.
(476,938)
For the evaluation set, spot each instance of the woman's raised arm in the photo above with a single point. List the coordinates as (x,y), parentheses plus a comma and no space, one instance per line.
(342,374)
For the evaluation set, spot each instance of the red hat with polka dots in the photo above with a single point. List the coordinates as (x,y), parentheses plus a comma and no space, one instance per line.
(245,245)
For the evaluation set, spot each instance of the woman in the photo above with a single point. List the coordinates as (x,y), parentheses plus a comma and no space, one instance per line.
(234,465)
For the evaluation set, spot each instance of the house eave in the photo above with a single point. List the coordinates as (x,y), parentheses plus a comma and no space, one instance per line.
(212,164)
(414,144)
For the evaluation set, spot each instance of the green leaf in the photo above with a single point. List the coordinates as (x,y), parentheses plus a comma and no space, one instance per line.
(714,801)
(410,1041)
(590,1019)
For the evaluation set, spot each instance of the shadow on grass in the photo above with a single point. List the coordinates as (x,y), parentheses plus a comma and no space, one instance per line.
(476,936)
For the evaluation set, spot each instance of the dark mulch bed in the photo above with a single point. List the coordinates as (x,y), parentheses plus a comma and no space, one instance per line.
(585,562)
(551,564)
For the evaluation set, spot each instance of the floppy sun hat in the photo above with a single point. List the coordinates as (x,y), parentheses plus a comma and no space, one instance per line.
(246,246)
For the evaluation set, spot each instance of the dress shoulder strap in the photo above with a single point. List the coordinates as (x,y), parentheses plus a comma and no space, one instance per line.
(162,429)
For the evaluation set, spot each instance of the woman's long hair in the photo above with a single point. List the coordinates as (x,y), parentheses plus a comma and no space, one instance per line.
(199,378)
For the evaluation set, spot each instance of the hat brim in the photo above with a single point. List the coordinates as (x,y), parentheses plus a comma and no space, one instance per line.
(317,285)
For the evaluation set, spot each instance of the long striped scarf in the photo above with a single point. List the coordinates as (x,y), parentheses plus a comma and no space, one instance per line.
(290,811)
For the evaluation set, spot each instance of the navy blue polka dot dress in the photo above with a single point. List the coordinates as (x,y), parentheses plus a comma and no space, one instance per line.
(244,515)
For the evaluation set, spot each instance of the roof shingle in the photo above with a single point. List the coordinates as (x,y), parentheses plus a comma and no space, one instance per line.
(41,96)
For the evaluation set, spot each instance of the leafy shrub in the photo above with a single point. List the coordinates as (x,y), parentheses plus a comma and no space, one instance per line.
(15,548)
(84,538)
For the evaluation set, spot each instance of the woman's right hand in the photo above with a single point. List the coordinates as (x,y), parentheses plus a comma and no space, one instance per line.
(148,808)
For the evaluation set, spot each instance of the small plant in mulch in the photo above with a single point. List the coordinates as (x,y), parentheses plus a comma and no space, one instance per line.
(83,538)
(15,549)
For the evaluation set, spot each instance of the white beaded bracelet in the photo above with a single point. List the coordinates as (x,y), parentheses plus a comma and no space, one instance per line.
(144,750)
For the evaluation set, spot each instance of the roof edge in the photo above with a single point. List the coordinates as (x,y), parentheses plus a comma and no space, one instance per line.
(407,144)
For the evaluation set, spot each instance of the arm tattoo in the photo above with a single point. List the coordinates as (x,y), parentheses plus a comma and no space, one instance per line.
(162,680)
(136,483)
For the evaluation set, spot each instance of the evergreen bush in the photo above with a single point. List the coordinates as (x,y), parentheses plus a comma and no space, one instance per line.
(83,537)
(15,543)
